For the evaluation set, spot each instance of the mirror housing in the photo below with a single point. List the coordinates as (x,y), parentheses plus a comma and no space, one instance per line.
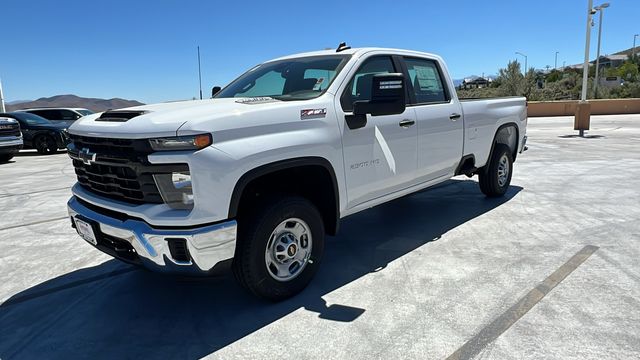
(215,90)
(387,96)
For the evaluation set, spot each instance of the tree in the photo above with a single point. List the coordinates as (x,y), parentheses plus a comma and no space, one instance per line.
(628,71)
(511,79)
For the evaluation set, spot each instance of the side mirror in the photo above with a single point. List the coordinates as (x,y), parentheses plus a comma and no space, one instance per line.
(215,90)
(388,97)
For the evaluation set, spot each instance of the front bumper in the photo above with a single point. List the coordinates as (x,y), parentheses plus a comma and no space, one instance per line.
(523,146)
(135,241)
(10,144)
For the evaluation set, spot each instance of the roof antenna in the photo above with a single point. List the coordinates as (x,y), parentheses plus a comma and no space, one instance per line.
(342,47)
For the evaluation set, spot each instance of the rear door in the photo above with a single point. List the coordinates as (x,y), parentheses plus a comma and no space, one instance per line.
(379,158)
(439,119)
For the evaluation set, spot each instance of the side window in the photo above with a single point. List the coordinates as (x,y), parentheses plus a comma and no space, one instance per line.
(68,115)
(43,113)
(53,114)
(359,87)
(426,80)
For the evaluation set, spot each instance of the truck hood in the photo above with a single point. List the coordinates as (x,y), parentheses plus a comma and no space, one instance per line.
(166,119)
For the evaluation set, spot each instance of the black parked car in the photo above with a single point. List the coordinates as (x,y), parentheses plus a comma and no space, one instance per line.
(39,133)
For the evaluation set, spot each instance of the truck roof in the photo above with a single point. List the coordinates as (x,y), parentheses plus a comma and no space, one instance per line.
(353,51)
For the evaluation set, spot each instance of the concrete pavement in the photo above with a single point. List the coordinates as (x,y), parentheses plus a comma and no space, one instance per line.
(420,277)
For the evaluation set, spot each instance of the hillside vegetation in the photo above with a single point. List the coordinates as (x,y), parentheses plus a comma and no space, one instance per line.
(561,84)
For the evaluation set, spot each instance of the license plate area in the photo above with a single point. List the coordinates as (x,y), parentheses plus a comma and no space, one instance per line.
(87,229)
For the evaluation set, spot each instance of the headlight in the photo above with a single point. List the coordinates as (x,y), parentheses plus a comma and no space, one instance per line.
(176,189)
(191,142)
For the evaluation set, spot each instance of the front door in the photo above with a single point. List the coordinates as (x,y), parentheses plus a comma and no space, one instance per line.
(381,157)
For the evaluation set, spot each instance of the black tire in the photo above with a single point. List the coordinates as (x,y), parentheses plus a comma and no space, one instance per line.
(5,158)
(45,145)
(255,235)
(493,183)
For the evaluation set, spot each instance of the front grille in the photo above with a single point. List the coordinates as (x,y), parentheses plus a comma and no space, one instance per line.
(118,168)
(9,131)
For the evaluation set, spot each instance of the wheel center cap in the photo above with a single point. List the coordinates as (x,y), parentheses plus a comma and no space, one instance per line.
(291,250)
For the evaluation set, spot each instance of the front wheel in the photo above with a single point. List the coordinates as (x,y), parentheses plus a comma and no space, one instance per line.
(495,176)
(45,145)
(279,248)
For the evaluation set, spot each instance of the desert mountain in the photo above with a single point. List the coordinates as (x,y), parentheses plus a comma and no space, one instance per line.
(96,105)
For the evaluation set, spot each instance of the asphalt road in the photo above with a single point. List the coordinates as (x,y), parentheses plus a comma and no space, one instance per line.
(549,271)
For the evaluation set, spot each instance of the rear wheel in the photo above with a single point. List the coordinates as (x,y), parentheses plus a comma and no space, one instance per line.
(45,145)
(279,248)
(495,176)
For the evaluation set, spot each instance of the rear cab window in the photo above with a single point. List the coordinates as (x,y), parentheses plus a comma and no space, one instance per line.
(426,79)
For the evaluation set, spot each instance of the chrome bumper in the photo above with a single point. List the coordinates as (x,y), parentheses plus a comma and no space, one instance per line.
(10,141)
(207,245)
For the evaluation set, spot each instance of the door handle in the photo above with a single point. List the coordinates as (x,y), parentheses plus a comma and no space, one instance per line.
(455,116)
(407,123)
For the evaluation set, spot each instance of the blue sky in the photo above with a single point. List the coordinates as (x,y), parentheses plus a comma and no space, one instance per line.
(146,50)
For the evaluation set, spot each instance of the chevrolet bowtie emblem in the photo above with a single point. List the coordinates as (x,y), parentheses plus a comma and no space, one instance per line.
(87,157)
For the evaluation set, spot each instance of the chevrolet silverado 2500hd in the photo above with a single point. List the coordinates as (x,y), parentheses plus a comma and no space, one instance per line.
(268,166)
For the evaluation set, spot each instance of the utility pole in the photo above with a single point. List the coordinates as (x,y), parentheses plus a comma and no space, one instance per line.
(2,109)
(584,111)
(595,80)
(555,64)
(199,73)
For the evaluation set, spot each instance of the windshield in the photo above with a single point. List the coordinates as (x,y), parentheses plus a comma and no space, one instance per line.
(32,119)
(290,79)
(84,112)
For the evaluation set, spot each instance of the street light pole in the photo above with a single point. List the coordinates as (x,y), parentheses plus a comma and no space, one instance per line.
(199,73)
(595,80)
(585,67)
(555,64)
(2,109)
(525,61)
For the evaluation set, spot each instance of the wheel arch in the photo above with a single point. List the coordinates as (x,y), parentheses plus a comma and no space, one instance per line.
(326,197)
(504,136)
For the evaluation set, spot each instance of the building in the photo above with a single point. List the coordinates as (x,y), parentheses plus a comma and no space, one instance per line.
(608,61)
(475,83)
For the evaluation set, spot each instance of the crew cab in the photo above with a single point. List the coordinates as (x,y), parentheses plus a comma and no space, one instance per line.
(10,138)
(260,173)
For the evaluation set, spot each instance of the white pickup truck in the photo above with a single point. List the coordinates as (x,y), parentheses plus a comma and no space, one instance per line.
(268,166)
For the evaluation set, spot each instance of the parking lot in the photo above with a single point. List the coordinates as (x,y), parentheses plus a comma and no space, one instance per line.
(549,271)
